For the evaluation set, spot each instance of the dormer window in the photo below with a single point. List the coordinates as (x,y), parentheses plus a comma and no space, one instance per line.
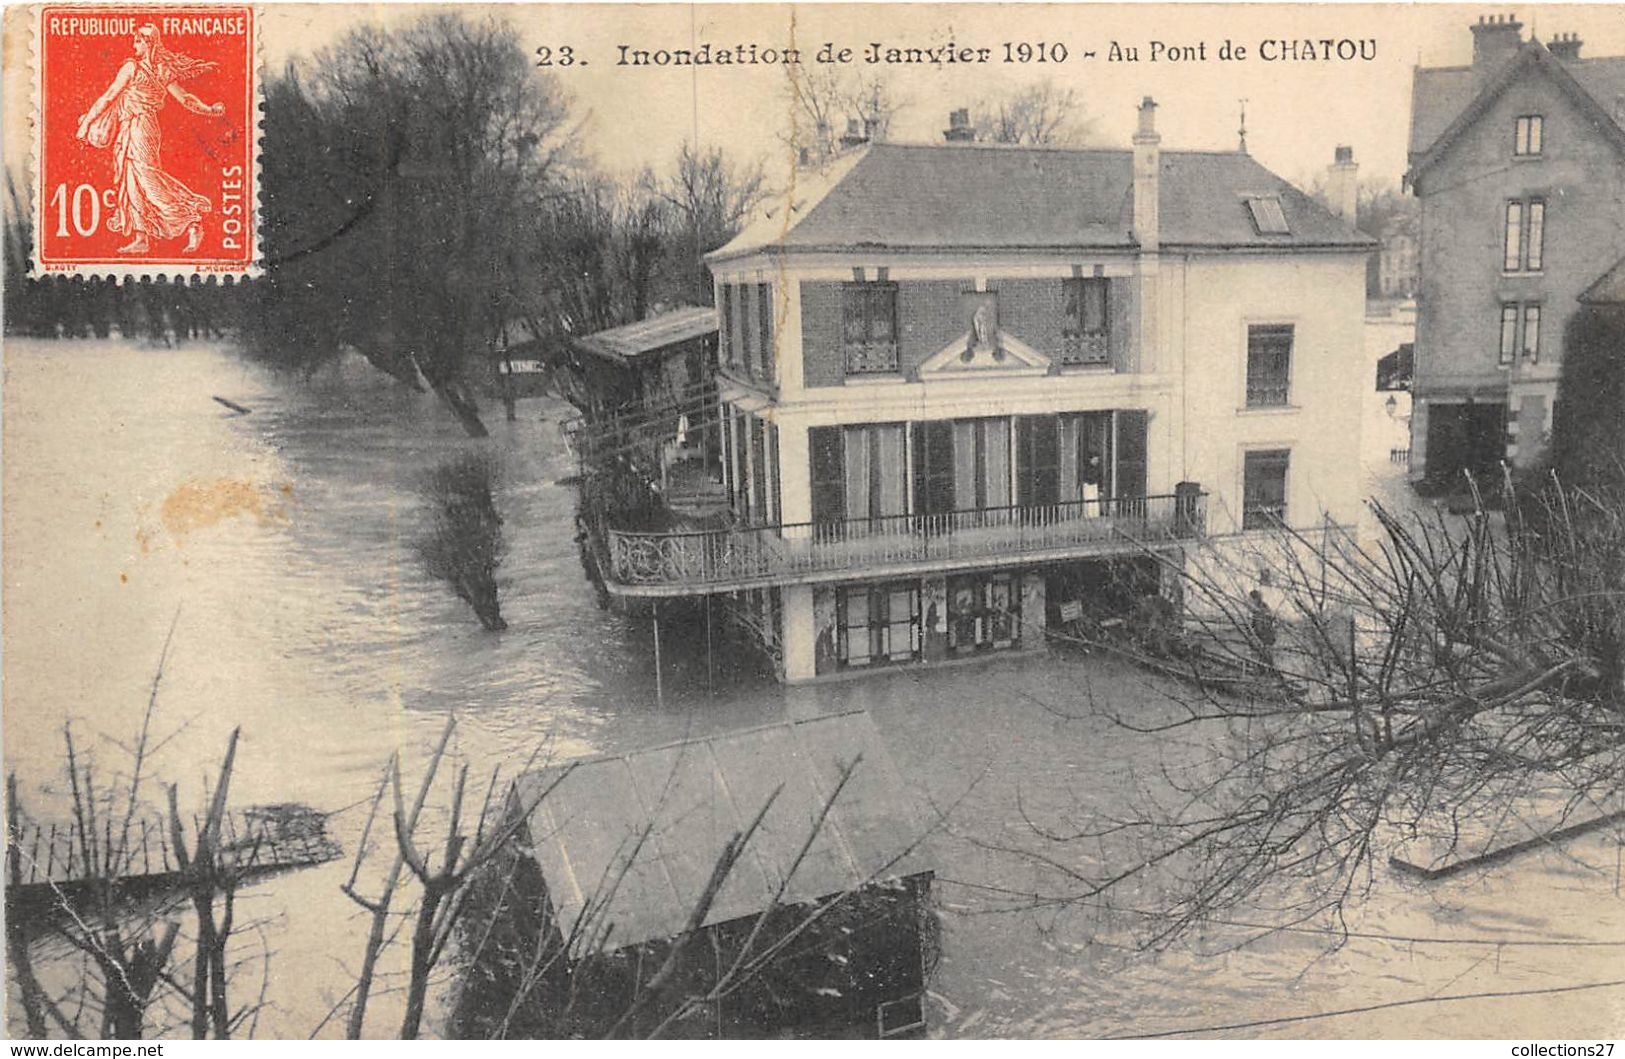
(1267,215)
(1526,136)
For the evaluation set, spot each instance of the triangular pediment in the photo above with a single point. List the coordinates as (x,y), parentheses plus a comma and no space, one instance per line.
(1004,354)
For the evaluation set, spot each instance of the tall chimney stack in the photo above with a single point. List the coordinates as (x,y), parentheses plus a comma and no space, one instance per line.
(1565,46)
(1495,38)
(1147,178)
(1343,185)
(959,128)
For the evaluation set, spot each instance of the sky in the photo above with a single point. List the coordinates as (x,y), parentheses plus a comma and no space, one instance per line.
(1297,111)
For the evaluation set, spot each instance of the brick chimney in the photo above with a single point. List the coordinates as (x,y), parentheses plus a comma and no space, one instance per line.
(1565,46)
(1147,178)
(1495,37)
(959,128)
(1343,185)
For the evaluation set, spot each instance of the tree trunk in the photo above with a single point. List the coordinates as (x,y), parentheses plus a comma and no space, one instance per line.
(462,406)
(203,903)
(398,366)
(422,947)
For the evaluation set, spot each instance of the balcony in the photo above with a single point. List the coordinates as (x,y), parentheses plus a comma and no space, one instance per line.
(672,564)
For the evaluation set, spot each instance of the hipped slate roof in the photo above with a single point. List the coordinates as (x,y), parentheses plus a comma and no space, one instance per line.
(699,793)
(1446,100)
(631,341)
(953,196)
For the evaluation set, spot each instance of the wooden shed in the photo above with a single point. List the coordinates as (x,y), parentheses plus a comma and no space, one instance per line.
(822,928)
(649,364)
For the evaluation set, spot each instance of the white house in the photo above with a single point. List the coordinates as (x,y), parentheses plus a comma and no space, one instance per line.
(961,383)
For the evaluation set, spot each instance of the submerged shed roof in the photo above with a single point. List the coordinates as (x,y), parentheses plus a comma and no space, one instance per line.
(635,836)
(975,196)
(631,341)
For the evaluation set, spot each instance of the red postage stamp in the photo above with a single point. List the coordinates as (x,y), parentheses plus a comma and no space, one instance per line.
(144,149)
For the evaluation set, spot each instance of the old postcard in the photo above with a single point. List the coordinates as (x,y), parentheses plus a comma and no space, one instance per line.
(815,521)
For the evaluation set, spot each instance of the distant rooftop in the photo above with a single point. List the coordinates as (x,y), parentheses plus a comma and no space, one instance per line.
(631,341)
(946,196)
(693,796)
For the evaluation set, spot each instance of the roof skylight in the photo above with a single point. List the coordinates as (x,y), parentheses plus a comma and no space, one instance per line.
(1267,215)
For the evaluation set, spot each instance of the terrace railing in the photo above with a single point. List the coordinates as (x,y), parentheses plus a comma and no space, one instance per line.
(786,553)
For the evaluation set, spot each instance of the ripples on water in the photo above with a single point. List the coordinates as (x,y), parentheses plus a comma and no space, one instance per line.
(283,540)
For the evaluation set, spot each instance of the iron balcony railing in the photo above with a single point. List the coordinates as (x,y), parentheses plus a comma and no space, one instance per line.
(789,552)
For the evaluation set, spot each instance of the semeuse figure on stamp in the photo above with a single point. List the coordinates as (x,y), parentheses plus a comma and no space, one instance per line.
(150,203)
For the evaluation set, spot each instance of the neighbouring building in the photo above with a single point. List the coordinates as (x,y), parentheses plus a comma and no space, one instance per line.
(1516,159)
(647,396)
(963,387)
(1397,268)
(650,363)
(1390,346)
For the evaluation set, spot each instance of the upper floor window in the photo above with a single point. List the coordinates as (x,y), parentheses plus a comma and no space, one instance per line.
(1263,489)
(1086,322)
(1267,215)
(1269,364)
(1509,332)
(1524,246)
(869,327)
(1526,135)
(1520,332)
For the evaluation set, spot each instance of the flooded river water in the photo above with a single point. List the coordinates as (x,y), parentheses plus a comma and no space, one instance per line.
(280,543)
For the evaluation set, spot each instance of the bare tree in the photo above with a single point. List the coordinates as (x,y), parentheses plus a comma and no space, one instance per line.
(1042,113)
(1435,686)
(825,98)
(208,876)
(710,196)
(400,206)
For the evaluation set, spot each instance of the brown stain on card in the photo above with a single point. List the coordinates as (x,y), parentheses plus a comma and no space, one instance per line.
(198,504)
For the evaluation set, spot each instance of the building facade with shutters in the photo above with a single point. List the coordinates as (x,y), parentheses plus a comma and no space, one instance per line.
(959,383)
(1517,161)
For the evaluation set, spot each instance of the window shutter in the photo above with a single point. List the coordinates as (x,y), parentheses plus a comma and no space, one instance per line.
(1131,452)
(1120,331)
(828,474)
(1039,452)
(725,320)
(764,306)
(934,467)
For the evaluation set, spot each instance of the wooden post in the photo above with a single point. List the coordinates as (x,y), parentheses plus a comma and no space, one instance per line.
(508,404)
(710,686)
(660,693)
